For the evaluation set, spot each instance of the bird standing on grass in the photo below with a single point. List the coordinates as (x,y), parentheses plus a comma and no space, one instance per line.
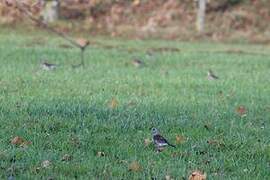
(211,75)
(137,63)
(159,141)
(48,66)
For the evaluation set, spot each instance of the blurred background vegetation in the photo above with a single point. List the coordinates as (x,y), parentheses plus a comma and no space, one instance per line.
(225,20)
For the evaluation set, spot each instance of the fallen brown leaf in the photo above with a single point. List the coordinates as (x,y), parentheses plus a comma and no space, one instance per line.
(19,141)
(147,142)
(134,166)
(180,139)
(241,110)
(197,175)
(113,103)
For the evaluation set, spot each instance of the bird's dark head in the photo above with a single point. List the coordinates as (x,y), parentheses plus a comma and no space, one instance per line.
(154,131)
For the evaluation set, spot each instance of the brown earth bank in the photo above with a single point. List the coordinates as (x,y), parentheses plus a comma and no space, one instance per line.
(226,20)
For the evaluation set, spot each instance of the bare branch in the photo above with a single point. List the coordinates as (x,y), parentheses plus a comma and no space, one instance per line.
(80,43)
(46,26)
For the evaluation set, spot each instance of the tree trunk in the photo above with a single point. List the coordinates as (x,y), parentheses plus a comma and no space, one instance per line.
(50,13)
(201,15)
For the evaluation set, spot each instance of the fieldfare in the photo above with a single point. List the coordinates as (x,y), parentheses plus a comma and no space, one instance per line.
(48,66)
(137,63)
(159,141)
(211,75)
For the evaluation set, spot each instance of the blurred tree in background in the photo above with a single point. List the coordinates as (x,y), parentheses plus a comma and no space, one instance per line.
(224,19)
(50,10)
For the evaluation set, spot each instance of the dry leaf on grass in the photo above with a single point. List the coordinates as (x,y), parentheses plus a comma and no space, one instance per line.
(147,142)
(134,166)
(197,175)
(19,141)
(180,139)
(46,164)
(241,110)
(113,103)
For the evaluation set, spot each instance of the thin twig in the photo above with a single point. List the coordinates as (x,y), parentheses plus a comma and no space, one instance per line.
(44,25)
(48,28)
(82,57)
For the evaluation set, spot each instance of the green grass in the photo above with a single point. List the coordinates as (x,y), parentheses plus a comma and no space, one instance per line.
(66,111)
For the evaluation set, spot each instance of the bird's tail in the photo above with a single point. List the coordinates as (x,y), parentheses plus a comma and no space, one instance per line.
(172,145)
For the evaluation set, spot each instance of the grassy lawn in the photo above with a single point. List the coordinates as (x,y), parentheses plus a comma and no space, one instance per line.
(67,111)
